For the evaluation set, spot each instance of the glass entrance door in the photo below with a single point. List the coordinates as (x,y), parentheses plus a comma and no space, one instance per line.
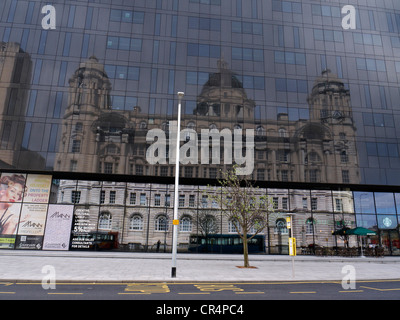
(390,242)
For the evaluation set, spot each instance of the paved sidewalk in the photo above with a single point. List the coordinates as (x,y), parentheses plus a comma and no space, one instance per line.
(22,266)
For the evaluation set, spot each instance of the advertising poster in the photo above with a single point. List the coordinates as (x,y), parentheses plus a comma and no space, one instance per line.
(58,227)
(12,187)
(82,238)
(37,188)
(31,226)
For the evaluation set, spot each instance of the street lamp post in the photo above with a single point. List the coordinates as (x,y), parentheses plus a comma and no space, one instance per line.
(176,195)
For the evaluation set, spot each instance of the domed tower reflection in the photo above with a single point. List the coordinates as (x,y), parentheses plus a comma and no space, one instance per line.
(223,96)
(319,149)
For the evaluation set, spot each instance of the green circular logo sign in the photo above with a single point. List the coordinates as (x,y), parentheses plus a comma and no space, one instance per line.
(387,222)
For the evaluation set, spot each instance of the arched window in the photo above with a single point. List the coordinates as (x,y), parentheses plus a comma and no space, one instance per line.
(191,125)
(260,131)
(208,224)
(185,224)
(105,220)
(161,223)
(281,227)
(136,222)
(312,158)
(143,125)
(310,222)
(282,133)
(233,226)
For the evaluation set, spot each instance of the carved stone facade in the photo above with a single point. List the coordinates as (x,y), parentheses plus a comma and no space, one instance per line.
(321,149)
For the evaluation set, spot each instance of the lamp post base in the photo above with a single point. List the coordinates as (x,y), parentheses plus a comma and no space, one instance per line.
(173,272)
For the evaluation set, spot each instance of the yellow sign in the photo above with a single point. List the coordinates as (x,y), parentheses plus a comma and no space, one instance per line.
(175,222)
(288,223)
(292,246)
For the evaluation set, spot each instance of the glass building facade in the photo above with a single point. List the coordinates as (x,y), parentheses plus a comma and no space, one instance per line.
(302,95)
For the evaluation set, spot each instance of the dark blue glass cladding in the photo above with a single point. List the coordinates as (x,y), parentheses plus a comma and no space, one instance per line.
(322,100)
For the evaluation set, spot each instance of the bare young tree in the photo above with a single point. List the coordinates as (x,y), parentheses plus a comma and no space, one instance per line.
(207,222)
(244,205)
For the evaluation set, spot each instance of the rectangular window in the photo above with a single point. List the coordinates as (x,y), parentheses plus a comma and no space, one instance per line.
(285,203)
(286,6)
(247,54)
(275,203)
(142,199)
(27,134)
(29,14)
(305,206)
(157,200)
(73,165)
(132,198)
(390,22)
(89,16)
(108,167)
(53,138)
(204,201)
(71,16)
(139,170)
(112,196)
(167,200)
(127,16)
(291,85)
(58,105)
(11,13)
(42,42)
(102,196)
(203,50)
(314,203)
(24,39)
(192,200)
(290,57)
(328,35)
(75,196)
(260,174)
(367,95)
(181,200)
(204,24)
(76,146)
(345,176)
(370,64)
(338,205)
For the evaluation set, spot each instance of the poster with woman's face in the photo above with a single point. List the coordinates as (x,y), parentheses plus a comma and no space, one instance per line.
(12,188)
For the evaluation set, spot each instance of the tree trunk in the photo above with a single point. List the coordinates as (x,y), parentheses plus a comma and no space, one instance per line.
(245,251)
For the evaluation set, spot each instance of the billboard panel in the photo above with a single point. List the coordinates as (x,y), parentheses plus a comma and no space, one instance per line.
(58,227)
(12,186)
(37,188)
(31,226)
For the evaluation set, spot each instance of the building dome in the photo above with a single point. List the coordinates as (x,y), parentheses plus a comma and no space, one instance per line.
(328,82)
(225,78)
(222,80)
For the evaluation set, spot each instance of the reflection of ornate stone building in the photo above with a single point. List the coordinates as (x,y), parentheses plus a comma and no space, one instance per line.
(141,213)
(96,138)
(15,78)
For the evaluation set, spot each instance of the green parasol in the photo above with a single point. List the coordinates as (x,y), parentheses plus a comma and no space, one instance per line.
(359,231)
